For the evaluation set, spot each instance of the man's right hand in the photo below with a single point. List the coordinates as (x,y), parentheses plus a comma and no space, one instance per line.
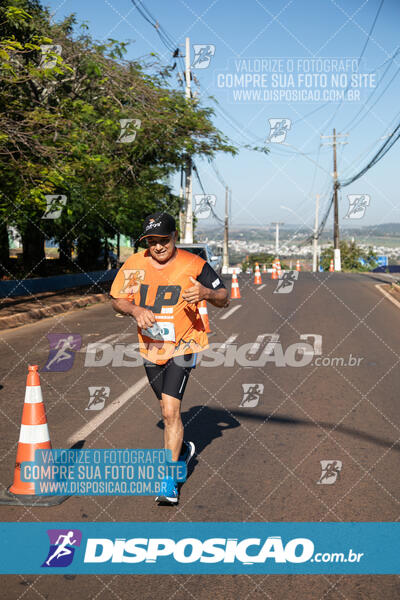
(144,317)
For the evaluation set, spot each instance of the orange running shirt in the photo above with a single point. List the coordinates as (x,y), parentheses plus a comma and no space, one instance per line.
(160,290)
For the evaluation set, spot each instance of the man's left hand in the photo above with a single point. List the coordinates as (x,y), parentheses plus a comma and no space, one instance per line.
(196,293)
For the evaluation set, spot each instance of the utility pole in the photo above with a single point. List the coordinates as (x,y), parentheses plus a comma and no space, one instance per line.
(277,235)
(188,212)
(182,221)
(315,240)
(335,197)
(225,250)
(336,249)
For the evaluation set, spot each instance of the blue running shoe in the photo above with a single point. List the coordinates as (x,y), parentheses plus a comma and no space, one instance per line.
(187,452)
(170,493)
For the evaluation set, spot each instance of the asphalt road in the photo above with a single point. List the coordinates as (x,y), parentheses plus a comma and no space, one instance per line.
(254,462)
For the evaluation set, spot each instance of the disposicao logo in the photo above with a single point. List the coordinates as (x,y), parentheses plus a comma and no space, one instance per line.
(62,547)
(190,550)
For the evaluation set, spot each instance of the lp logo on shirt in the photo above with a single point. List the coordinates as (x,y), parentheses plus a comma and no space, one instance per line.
(167,295)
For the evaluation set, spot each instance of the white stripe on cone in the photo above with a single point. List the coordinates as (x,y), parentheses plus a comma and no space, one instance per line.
(33,394)
(34,434)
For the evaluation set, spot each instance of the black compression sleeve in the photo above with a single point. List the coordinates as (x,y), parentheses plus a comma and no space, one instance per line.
(209,278)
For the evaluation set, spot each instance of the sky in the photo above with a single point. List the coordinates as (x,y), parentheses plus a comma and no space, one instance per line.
(326,71)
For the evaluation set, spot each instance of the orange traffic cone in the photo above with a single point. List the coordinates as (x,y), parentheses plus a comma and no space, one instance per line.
(235,291)
(278,268)
(264,268)
(331,267)
(298,265)
(34,433)
(204,315)
(273,272)
(257,275)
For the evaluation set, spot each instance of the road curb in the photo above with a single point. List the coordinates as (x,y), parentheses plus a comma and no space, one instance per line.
(35,314)
(385,293)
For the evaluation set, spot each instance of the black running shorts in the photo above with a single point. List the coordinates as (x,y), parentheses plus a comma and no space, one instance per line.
(172,377)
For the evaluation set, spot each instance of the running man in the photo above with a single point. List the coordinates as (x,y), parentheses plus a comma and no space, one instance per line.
(63,345)
(62,549)
(160,288)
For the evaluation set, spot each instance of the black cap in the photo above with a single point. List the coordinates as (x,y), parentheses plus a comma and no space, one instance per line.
(160,223)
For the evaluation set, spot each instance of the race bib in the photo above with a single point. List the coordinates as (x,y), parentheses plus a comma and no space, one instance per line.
(161,331)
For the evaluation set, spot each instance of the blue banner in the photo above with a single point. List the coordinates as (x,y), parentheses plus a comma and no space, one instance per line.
(206,548)
(382,261)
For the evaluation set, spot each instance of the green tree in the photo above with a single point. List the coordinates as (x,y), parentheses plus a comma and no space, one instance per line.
(353,257)
(62,135)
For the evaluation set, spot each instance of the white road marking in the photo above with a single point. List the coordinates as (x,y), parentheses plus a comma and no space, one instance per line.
(107,412)
(116,337)
(385,293)
(262,286)
(230,312)
(230,340)
(256,347)
(257,344)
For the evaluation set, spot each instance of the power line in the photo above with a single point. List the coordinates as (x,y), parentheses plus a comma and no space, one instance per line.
(390,60)
(383,150)
(359,59)
(198,179)
(321,227)
(370,31)
(333,202)
(218,174)
(170,45)
(206,195)
(311,113)
(376,101)
(368,149)
(164,36)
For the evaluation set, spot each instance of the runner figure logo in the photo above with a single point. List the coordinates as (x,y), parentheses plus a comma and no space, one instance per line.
(286,282)
(62,351)
(133,279)
(357,205)
(278,129)
(251,394)
(54,205)
(204,204)
(203,54)
(97,397)
(129,129)
(330,471)
(49,55)
(62,547)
